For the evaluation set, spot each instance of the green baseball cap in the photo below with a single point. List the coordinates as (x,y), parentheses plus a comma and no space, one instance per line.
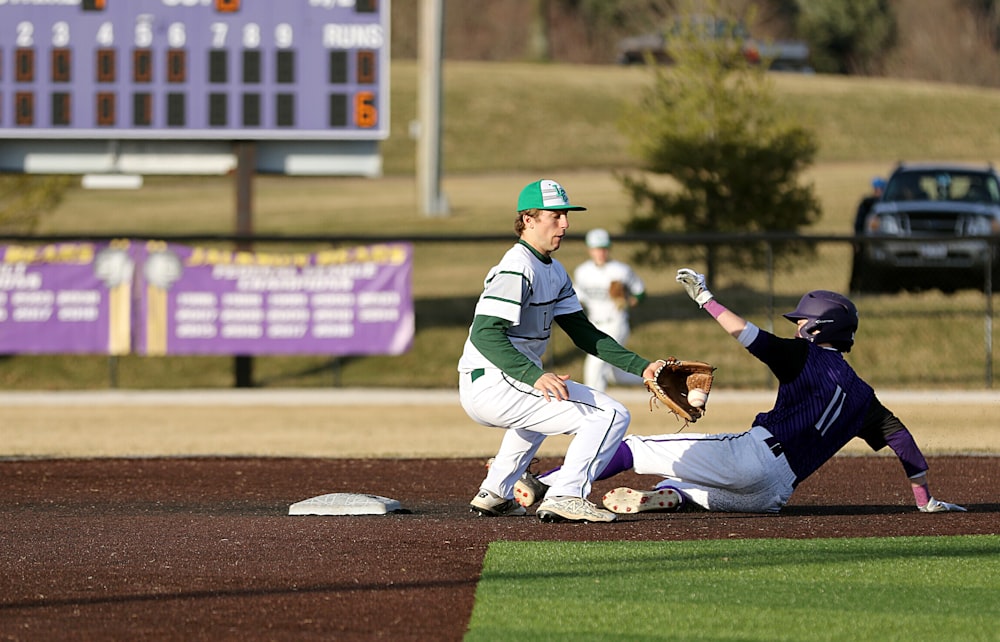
(545,195)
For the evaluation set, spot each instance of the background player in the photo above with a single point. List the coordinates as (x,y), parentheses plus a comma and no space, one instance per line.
(821,404)
(864,207)
(607,289)
(502,382)
(866,203)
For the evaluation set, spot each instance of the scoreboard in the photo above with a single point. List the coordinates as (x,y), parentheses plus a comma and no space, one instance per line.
(217,69)
(192,70)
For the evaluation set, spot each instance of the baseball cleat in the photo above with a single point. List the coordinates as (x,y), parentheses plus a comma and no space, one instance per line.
(626,501)
(572,509)
(529,490)
(488,504)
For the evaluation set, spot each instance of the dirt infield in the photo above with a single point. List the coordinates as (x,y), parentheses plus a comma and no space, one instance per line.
(203,548)
(119,523)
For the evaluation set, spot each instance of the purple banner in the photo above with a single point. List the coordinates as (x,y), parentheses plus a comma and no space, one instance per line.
(345,301)
(66,298)
(155,298)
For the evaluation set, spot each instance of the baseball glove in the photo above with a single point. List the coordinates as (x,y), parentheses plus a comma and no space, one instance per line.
(683,387)
(616,290)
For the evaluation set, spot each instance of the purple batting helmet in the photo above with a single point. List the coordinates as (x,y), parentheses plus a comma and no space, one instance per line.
(832,318)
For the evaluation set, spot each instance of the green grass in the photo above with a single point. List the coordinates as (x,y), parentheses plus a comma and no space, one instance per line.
(504,116)
(905,588)
(506,124)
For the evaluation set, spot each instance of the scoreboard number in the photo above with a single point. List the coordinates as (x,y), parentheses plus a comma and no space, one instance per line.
(365,112)
(106,65)
(24,104)
(61,67)
(24,66)
(142,66)
(176,65)
(105,109)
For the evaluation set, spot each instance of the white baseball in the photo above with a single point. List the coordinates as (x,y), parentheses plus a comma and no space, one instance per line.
(697,398)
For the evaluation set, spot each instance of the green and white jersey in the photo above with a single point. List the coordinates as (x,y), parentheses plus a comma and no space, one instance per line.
(528,290)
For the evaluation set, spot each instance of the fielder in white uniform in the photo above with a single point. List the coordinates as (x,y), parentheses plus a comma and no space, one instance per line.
(503,384)
(592,280)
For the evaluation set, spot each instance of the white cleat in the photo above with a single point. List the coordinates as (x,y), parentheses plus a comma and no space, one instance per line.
(626,501)
(571,509)
(489,505)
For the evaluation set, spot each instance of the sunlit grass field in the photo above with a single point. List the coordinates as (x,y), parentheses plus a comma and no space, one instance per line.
(505,125)
(900,588)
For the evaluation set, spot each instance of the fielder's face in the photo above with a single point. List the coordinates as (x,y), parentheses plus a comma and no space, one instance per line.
(545,231)
(599,255)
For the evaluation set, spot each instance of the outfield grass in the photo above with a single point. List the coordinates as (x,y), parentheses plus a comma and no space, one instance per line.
(509,116)
(902,588)
(504,126)
(502,122)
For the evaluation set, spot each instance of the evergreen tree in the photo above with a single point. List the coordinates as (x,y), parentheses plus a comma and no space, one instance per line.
(711,124)
(847,36)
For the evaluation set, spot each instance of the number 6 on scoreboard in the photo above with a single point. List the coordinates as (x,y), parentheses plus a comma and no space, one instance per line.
(365,111)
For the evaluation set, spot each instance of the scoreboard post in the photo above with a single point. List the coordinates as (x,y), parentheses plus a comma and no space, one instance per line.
(168,86)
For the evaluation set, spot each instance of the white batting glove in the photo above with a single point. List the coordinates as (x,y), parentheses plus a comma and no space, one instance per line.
(934,506)
(694,284)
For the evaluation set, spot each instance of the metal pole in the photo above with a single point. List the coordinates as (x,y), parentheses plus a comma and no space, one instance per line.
(988,291)
(770,287)
(113,372)
(246,165)
(432,202)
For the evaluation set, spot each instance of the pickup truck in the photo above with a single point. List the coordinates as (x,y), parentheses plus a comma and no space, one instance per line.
(781,55)
(936,225)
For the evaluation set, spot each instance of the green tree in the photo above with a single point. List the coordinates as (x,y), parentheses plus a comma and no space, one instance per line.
(24,198)
(847,36)
(719,155)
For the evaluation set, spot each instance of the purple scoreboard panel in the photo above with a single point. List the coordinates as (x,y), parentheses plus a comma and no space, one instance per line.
(290,70)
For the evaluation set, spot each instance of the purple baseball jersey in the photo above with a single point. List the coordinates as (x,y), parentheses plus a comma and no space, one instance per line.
(822,404)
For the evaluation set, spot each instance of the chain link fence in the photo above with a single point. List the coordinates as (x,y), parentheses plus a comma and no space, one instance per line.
(908,339)
(911,334)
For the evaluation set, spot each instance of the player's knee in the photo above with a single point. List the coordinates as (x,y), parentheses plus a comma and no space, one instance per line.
(622,419)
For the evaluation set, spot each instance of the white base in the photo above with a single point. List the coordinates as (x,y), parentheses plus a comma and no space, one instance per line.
(345,504)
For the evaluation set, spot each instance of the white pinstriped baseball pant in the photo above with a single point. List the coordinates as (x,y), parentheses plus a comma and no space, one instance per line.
(597,422)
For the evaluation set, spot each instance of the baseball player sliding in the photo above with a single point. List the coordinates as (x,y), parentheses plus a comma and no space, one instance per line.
(821,404)
(502,382)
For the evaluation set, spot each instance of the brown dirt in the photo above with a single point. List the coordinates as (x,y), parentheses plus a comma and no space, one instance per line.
(203,548)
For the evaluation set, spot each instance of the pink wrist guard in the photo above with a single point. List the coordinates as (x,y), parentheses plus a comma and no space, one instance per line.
(714,308)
